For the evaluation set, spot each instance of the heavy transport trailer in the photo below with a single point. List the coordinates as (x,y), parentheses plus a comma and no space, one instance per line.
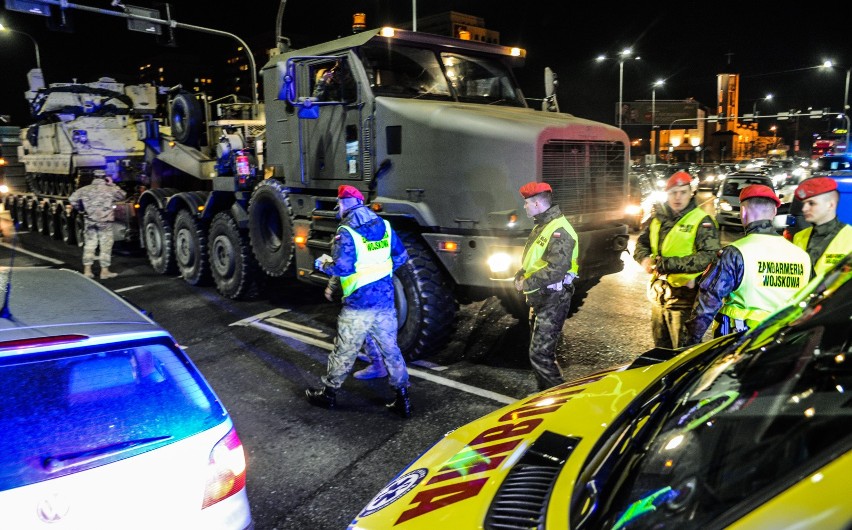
(435,133)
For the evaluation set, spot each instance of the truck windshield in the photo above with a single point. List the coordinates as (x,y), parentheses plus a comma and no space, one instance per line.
(408,72)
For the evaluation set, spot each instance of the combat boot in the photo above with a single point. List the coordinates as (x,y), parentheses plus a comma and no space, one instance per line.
(401,405)
(375,370)
(325,397)
(106,274)
(87,271)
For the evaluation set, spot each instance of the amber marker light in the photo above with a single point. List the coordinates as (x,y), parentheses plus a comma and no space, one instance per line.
(448,246)
(376,206)
(300,240)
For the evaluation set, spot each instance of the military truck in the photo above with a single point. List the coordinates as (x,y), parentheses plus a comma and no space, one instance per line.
(433,130)
(79,128)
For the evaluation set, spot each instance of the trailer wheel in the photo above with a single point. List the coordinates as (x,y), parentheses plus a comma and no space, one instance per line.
(66,226)
(80,229)
(425,305)
(158,240)
(32,215)
(41,218)
(52,222)
(191,249)
(12,207)
(231,262)
(271,227)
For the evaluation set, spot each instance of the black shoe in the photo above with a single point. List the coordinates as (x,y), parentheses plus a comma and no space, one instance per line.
(401,405)
(325,397)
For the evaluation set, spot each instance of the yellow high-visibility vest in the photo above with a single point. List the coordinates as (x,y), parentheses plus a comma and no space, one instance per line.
(372,260)
(836,250)
(774,271)
(680,241)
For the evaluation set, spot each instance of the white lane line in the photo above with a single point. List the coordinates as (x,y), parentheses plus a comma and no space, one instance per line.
(125,289)
(500,398)
(494,396)
(429,365)
(259,316)
(298,327)
(33,254)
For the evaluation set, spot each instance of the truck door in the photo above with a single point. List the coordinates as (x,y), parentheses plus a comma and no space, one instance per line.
(332,145)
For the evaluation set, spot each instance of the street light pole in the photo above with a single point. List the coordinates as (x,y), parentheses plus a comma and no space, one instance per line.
(622,56)
(654,135)
(38,56)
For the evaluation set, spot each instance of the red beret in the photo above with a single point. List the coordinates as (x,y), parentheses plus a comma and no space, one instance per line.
(531,189)
(753,191)
(679,178)
(815,186)
(345,191)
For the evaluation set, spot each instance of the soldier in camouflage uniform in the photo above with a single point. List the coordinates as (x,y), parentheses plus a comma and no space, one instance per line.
(95,202)
(675,248)
(548,268)
(364,255)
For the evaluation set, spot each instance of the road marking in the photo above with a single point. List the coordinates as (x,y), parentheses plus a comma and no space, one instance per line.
(256,322)
(33,254)
(125,289)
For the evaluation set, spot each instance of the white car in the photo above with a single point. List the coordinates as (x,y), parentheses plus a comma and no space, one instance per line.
(105,421)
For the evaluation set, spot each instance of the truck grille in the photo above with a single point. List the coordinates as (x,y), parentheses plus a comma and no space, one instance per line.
(588,178)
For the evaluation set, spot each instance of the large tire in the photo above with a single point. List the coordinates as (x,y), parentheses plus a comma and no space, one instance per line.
(271,227)
(425,305)
(231,262)
(14,211)
(158,240)
(185,116)
(191,249)
(66,226)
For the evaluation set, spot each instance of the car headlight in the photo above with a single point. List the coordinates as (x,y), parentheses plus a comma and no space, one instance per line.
(633,209)
(499,262)
(725,206)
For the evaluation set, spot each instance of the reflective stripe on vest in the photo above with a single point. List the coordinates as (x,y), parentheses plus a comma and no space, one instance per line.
(372,260)
(834,252)
(680,241)
(774,270)
(532,261)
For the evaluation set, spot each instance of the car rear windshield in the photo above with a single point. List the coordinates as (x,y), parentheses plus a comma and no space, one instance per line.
(89,407)
(733,186)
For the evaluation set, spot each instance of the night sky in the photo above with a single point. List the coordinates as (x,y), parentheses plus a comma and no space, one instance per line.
(771,48)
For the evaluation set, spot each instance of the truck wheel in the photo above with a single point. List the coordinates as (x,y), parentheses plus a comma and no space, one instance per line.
(52,222)
(425,305)
(231,262)
(80,229)
(32,215)
(185,116)
(66,226)
(191,249)
(271,227)
(158,240)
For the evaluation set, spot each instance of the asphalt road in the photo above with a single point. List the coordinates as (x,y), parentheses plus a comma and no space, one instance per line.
(313,468)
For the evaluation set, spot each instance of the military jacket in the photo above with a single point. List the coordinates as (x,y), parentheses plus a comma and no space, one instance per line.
(96,200)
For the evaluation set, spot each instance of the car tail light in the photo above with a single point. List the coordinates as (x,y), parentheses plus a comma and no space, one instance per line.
(227,470)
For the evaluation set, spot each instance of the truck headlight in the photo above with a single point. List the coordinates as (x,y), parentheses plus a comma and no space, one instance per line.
(499,262)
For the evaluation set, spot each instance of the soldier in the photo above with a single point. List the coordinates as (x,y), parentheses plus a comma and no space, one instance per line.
(753,276)
(828,239)
(675,248)
(365,253)
(548,269)
(95,201)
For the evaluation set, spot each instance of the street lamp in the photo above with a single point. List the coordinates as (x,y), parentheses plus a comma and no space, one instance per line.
(623,55)
(38,57)
(654,139)
(756,101)
(830,64)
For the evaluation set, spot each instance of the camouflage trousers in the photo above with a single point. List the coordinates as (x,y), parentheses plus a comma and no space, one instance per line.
(353,326)
(670,310)
(546,318)
(97,234)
